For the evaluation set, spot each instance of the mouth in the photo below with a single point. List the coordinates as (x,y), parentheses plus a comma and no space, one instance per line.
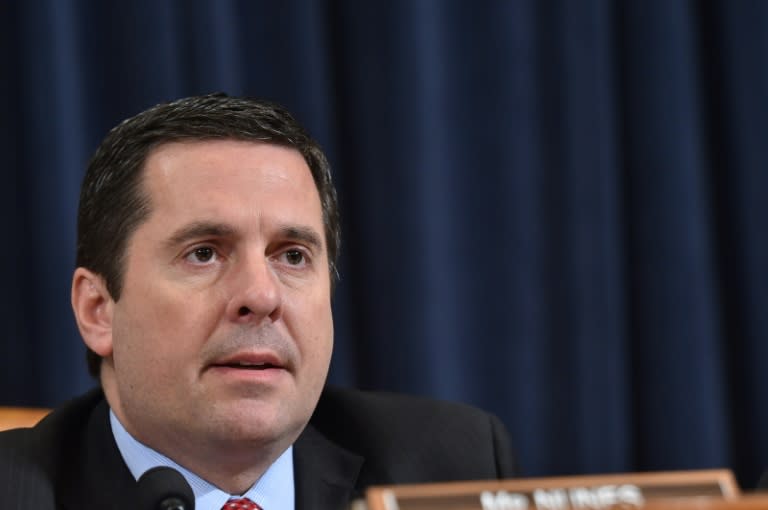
(246,365)
(250,362)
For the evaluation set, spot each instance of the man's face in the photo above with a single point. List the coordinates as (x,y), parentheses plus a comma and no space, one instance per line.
(223,332)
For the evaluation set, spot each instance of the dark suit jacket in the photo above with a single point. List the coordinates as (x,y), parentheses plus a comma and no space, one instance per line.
(354,440)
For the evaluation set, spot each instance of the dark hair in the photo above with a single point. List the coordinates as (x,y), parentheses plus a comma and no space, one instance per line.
(113,201)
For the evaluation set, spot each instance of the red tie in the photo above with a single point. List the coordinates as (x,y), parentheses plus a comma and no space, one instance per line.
(240,504)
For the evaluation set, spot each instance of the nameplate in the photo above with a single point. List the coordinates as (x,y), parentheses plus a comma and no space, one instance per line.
(594,492)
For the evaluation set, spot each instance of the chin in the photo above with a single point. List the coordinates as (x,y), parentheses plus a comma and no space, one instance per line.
(262,427)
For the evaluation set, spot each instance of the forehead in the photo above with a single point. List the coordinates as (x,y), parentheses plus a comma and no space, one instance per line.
(221,155)
(230,178)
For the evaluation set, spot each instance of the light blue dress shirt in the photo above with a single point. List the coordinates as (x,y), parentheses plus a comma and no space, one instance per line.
(273,491)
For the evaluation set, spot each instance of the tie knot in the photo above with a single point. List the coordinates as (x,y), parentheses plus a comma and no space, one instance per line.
(240,504)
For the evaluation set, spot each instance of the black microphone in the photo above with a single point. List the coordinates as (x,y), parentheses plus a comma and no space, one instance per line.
(163,488)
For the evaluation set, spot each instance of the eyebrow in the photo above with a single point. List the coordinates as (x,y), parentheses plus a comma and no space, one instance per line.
(305,235)
(197,230)
(200,229)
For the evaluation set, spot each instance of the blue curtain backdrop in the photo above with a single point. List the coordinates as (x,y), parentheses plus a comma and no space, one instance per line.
(555,210)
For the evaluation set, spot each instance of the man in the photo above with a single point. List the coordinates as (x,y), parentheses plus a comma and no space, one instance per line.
(208,233)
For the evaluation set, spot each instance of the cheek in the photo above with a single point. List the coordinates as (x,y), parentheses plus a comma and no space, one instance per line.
(317,326)
(159,328)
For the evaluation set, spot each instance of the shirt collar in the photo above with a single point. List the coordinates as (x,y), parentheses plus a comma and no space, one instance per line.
(273,491)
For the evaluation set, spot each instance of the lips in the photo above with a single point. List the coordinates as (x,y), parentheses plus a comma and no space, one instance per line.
(250,361)
(247,365)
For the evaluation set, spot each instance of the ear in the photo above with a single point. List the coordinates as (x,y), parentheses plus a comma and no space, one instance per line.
(93,307)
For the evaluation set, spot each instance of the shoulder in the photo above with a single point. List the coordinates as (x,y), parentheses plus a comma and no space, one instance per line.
(70,417)
(56,430)
(382,409)
(31,459)
(24,477)
(415,436)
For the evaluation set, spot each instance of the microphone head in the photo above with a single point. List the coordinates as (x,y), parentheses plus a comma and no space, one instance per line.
(163,488)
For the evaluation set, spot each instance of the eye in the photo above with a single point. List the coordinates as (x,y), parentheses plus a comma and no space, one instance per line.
(201,255)
(294,257)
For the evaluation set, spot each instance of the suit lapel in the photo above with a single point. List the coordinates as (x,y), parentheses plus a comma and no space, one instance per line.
(324,473)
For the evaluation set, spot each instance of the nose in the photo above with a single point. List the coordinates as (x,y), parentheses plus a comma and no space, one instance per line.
(257,294)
